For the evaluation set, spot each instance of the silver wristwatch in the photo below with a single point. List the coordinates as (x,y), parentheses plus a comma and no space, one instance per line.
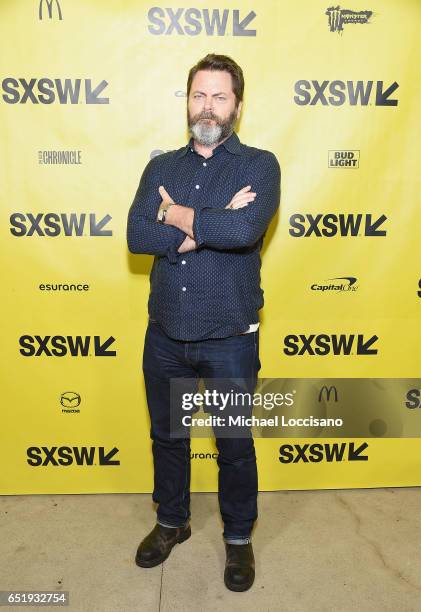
(162,211)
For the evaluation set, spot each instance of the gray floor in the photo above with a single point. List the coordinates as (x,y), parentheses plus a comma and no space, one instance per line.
(315,550)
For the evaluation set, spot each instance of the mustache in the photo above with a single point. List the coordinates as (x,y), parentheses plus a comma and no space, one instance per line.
(206,116)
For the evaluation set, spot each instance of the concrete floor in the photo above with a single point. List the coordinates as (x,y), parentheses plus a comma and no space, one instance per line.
(342,550)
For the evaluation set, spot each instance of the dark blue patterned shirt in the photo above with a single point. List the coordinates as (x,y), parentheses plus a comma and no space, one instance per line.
(214,291)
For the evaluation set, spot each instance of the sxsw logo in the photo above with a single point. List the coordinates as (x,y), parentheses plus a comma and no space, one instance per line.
(59,346)
(413,398)
(342,92)
(194,21)
(330,224)
(326,344)
(52,6)
(69,455)
(48,91)
(315,453)
(56,224)
(337,17)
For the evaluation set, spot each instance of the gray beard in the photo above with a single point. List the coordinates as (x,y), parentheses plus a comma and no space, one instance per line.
(210,134)
(207,135)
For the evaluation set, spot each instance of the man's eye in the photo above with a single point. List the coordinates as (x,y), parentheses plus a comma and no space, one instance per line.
(221,99)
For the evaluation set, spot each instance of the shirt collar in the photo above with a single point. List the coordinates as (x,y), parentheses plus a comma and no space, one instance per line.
(231,144)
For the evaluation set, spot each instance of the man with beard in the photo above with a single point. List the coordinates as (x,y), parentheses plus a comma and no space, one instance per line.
(203,210)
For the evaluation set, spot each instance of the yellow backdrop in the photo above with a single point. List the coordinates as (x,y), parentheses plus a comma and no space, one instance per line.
(90,90)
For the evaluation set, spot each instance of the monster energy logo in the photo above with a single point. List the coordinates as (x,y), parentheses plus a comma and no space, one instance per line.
(50,4)
(337,17)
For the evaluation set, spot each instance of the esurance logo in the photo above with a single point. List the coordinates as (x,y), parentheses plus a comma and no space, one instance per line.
(50,91)
(194,21)
(337,17)
(59,346)
(338,93)
(329,344)
(69,455)
(329,225)
(52,6)
(57,224)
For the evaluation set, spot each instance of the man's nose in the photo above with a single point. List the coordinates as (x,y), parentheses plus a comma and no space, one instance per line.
(208,104)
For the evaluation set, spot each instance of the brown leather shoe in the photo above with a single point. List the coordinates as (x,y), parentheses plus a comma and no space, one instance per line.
(157,545)
(239,566)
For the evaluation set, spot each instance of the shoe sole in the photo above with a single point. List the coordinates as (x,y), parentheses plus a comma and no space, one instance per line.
(238,587)
(154,562)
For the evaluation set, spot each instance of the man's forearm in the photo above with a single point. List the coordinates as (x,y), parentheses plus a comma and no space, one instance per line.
(150,237)
(181,217)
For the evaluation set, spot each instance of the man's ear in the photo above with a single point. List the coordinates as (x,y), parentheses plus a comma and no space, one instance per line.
(240,104)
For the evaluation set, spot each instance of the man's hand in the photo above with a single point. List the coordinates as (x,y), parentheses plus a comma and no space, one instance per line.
(166,198)
(188,245)
(242,198)
(178,215)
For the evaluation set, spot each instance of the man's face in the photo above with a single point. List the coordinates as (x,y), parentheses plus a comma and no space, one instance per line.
(211,110)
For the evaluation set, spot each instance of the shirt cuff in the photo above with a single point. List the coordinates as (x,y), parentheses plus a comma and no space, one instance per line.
(197,226)
(172,252)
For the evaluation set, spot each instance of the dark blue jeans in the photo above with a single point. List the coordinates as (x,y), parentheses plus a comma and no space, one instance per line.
(165,358)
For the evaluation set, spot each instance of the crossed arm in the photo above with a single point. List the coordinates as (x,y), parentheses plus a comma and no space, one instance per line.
(236,225)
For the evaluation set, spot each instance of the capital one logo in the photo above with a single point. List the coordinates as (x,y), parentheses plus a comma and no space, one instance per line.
(50,4)
(194,21)
(49,91)
(329,225)
(338,93)
(56,224)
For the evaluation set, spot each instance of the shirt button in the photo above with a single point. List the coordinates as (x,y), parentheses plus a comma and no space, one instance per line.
(184,261)
(205,164)
(184,288)
(197,186)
